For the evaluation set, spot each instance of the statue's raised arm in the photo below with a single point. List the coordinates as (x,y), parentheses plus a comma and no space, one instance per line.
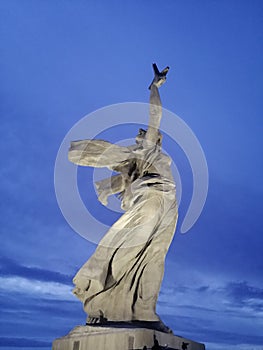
(152,134)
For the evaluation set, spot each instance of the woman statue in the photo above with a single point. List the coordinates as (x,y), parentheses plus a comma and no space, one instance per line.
(122,279)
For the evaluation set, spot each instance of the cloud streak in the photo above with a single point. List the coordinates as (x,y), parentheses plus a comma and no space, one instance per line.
(243,294)
(10,268)
(228,312)
(23,342)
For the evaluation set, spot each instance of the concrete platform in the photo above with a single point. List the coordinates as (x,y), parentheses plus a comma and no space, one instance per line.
(112,338)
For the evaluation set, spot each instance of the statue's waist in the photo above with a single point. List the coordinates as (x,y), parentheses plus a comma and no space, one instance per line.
(150,182)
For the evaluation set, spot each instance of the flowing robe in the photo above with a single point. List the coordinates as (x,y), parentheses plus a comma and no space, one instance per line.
(122,279)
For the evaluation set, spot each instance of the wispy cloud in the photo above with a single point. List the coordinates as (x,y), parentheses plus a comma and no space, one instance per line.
(241,294)
(34,287)
(36,311)
(220,346)
(23,342)
(205,310)
(20,279)
(9,267)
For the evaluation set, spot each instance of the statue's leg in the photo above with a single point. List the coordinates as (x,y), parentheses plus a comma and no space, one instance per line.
(122,254)
(150,282)
(127,267)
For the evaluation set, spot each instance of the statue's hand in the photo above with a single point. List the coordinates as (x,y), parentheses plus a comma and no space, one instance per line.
(159,77)
(103,198)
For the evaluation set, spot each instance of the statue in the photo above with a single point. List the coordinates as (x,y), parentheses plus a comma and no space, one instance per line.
(121,281)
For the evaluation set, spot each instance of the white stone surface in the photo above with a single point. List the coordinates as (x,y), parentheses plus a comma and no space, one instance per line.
(109,338)
(122,279)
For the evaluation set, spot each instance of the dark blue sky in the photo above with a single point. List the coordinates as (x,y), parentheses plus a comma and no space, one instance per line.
(61,60)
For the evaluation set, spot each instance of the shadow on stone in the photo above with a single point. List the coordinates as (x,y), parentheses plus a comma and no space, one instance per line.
(158,326)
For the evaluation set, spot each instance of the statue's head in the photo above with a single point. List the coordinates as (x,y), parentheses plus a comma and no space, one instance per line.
(141,135)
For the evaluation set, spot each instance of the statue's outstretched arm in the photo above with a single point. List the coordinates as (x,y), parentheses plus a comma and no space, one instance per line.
(152,134)
(98,153)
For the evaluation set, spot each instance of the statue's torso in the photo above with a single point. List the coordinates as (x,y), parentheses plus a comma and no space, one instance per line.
(147,171)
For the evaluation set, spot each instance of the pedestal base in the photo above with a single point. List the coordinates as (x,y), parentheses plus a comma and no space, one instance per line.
(111,338)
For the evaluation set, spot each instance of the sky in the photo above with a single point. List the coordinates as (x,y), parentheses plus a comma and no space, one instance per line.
(62,60)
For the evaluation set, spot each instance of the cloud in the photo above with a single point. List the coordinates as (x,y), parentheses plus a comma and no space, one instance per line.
(232,338)
(209,310)
(28,309)
(33,287)
(243,294)
(36,314)
(34,281)
(202,288)
(194,328)
(23,342)
(32,296)
(9,267)
(220,346)
(25,304)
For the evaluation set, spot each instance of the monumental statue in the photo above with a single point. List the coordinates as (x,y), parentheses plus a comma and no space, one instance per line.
(120,283)
(122,279)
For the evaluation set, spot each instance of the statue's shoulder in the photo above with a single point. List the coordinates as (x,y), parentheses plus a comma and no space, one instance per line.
(165,158)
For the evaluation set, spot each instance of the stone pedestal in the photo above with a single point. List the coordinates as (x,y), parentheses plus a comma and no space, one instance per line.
(124,338)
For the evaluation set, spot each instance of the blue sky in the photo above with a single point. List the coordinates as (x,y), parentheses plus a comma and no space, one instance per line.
(61,60)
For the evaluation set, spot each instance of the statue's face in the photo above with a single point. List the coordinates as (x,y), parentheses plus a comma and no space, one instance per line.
(140,136)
